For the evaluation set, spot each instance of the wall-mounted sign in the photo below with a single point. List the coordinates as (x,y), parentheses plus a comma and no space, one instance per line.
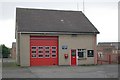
(90,53)
(64,47)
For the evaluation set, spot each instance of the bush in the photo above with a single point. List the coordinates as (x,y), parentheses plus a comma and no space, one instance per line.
(4,51)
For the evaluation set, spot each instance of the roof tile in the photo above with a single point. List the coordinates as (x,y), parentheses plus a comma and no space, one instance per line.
(43,20)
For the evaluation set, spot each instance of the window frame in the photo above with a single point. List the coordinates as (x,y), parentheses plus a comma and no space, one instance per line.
(32,55)
(53,50)
(55,47)
(40,54)
(73,54)
(39,49)
(53,54)
(33,52)
(46,57)
(84,53)
(100,54)
(45,51)
(35,49)
(46,46)
(32,47)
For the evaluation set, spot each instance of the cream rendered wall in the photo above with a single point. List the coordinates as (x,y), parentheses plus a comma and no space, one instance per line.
(24,50)
(77,42)
(17,49)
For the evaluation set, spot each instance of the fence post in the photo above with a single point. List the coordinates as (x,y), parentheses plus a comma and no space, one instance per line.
(101,61)
(97,58)
(109,59)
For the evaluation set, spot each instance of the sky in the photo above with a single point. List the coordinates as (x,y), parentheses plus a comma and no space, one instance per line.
(102,13)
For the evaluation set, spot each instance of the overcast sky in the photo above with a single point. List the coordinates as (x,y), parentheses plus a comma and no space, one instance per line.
(102,13)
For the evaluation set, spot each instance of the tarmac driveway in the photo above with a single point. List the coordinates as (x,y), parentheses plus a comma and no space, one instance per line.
(10,70)
(99,71)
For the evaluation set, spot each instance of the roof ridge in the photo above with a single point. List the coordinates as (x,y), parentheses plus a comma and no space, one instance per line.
(48,9)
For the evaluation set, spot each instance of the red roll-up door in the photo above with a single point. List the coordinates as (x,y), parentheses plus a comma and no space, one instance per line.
(43,50)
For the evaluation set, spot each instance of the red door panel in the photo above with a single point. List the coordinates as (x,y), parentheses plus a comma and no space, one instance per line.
(73,57)
(46,51)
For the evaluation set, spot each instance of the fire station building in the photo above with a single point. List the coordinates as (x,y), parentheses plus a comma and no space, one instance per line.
(54,37)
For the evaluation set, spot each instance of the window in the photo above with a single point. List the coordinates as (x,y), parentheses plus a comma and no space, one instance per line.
(33,52)
(47,51)
(34,56)
(73,52)
(47,47)
(53,52)
(40,47)
(64,47)
(40,52)
(81,53)
(47,55)
(33,47)
(90,53)
(53,47)
(53,55)
(100,54)
(40,55)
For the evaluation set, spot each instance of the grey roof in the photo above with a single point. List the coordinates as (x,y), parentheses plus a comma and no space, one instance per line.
(43,20)
(115,44)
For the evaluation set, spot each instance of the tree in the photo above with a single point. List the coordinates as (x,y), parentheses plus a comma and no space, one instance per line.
(5,51)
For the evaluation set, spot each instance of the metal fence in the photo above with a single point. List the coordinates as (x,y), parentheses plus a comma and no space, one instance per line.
(107,58)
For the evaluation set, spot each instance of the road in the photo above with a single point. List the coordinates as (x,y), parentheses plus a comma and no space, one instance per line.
(10,70)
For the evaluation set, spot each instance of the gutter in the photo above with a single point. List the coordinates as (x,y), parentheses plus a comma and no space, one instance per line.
(58,33)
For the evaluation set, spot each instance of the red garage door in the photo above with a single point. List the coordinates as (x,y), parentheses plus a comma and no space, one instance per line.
(43,50)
